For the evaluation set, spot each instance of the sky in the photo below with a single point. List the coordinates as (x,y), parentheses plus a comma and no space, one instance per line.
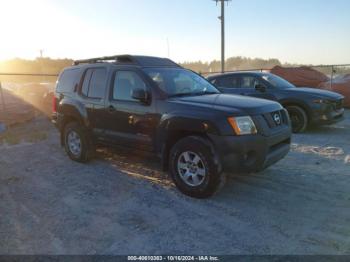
(295,31)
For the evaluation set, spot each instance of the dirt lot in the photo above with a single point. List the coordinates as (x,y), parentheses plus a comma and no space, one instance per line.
(122,204)
(13,109)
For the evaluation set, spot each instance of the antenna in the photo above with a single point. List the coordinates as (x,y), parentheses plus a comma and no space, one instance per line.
(222,19)
(168,47)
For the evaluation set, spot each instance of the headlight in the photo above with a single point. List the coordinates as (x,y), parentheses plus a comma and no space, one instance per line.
(243,125)
(322,101)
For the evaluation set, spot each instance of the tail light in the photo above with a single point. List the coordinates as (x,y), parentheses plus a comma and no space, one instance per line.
(54,104)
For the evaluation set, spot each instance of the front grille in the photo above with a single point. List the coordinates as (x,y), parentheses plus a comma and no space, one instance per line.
(276,118)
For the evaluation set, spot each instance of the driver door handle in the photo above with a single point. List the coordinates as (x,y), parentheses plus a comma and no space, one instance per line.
(111,109)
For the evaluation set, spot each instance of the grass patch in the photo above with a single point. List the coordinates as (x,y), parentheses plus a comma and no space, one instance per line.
(37,136)
(10,138)
(11,180)
(14,137)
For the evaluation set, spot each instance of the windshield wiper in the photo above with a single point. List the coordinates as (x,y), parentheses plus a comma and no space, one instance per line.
(204,93)
(181,94)
(209,93)
(194,94)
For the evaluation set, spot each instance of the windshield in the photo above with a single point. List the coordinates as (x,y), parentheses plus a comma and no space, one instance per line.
(180,82)
(277,81)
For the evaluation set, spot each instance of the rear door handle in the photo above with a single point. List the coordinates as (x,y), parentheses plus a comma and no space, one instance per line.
(111,109)
(131,119)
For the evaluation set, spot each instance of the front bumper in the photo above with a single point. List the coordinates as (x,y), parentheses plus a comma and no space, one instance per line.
(251,153)
(327,117)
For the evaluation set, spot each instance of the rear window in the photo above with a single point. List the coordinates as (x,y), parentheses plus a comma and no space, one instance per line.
(68,80)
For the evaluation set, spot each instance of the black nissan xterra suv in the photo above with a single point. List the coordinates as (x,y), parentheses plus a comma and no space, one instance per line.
(152,104)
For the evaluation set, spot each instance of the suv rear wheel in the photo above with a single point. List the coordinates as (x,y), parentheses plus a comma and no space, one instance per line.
(298,118)
(194,167)
(77,144)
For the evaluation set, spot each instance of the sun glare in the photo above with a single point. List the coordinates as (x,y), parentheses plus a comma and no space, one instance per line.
(29,26)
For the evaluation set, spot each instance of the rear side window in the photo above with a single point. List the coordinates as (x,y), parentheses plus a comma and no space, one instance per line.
(249,81)
(94,84)
(228,82)
(68,80)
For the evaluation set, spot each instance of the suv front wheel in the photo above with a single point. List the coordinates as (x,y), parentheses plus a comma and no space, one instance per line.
(194,167)
(77,144)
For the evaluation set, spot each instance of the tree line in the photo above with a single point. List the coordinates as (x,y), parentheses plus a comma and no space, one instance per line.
(46,65)
(233,64)
(54,66)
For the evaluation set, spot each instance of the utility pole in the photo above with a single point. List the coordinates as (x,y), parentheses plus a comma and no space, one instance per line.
(222,19)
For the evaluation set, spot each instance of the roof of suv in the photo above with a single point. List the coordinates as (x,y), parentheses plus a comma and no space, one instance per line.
(141,61)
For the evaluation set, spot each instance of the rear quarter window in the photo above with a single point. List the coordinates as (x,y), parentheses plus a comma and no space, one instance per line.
(68,80)
(97,85)
(94,84)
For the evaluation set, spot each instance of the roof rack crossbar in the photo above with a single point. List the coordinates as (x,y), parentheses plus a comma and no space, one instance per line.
(130,59)
(116,59)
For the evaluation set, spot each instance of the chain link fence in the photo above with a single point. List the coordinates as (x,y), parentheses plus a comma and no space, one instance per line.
(22,96)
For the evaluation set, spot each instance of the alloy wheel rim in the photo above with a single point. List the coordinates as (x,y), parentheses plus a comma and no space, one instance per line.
(74,143)
(296,121)
(191,168)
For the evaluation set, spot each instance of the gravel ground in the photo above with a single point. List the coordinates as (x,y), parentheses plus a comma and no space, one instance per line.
(121,203)
(13,109)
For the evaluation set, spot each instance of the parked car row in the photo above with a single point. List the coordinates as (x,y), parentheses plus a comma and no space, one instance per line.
(197,131)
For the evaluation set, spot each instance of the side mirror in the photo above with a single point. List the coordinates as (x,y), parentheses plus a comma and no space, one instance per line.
(140,95)
(260,87)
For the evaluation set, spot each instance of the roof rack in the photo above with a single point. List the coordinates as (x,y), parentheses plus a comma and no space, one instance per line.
(115,59)
(129,59)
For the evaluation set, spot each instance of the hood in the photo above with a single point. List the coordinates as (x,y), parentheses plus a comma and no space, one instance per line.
(320,93)
(231,103)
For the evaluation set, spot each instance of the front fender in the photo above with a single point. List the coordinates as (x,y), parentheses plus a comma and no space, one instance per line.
(173,125)
(188,123)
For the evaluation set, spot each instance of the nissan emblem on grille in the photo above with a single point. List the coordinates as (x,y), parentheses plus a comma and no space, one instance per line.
(277,118)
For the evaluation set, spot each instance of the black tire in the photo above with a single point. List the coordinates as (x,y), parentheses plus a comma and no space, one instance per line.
(209,162)
(298,118)
(86,148)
